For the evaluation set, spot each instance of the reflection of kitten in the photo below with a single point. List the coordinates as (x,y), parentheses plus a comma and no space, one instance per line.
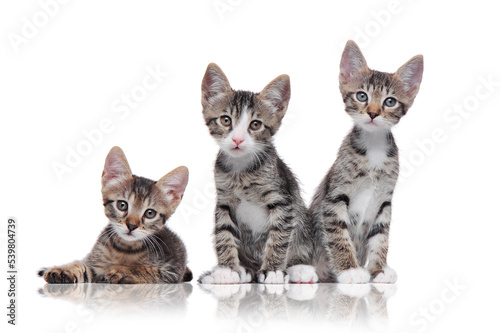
(113,299)
(356,305)
(351,209)
(261,224)
(136,246)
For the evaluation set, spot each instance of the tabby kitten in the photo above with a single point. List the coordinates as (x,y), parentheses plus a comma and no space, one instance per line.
(260,217)
(136,246)
(351,209)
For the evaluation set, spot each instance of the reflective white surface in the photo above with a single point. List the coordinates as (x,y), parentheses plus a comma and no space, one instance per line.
(239,308)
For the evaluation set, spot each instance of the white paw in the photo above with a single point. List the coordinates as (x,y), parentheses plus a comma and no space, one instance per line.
(354,275)
(222,275)
(244,276)
(302,274)
(273,277)
(302,292)
(388,275)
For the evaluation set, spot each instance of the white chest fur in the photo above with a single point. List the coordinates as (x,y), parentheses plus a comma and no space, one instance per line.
(253,216)
(363,204)
(376,148)
(377,157)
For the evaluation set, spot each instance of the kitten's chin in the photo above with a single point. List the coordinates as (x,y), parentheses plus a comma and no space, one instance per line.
(129,236)
(372,126)
(236,152)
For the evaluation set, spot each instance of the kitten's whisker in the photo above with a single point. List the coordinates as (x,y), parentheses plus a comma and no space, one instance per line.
(148,241)
(158,244)
(143,242)
(161,253)
(158,238)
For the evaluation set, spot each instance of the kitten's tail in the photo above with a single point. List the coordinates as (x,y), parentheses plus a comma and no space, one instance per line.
(188,275)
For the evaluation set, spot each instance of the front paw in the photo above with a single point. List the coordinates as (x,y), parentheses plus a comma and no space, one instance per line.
(225,275)
(353,275)
(302,274)
(60,275)
(388,275)
(272,277)
(116,276)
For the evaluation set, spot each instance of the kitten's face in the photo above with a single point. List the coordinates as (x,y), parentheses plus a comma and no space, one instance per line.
(242,122)
(138,207)
(377,100)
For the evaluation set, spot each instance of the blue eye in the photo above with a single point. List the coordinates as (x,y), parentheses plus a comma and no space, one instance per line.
(150,213)
(390,102)
(361,96)
(122,205)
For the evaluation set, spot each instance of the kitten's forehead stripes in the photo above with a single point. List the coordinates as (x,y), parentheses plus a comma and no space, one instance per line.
(242,100)
(380,79)
(142,187)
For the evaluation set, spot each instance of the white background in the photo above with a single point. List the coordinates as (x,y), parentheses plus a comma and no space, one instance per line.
(71,72)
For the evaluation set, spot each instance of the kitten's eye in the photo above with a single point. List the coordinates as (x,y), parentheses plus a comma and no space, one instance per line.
(255,125)
(361,96)
(150,213)
(225,120)
(122,205)
(390,102)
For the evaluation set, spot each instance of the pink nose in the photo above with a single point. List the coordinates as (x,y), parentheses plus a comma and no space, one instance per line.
(238,141)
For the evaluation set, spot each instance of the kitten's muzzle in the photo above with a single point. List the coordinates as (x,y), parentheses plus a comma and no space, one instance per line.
(373,115)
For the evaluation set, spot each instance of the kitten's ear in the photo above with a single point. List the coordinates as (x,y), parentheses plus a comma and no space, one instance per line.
(352,62)
(173,185)
(277,94)
(116,168)
(411,75)
(214,83)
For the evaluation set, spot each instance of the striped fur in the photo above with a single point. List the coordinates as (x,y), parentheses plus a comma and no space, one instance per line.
(351,210)
(136,246)
(260,217)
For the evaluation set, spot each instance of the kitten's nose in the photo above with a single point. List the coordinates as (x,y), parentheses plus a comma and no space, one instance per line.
(238,141)
(373,115)
(131,227)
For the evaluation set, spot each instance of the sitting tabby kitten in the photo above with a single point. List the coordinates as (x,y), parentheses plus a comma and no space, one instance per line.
(136,246)
(260,217)
(351,209)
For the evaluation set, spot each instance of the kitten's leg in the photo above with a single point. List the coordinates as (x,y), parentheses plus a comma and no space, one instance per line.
(338,243)
(301,253)
(378,245)
(281,218)
(75,272)
(118,274)
(226,240)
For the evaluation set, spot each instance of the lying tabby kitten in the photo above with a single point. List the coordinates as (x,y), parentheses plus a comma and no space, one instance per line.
(260,218)
(351,209)
(136,246)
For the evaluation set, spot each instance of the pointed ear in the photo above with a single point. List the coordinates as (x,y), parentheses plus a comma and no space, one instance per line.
(173,185)
(116,168)
(277,94)
(352,62)
(214,83)
(411,75)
